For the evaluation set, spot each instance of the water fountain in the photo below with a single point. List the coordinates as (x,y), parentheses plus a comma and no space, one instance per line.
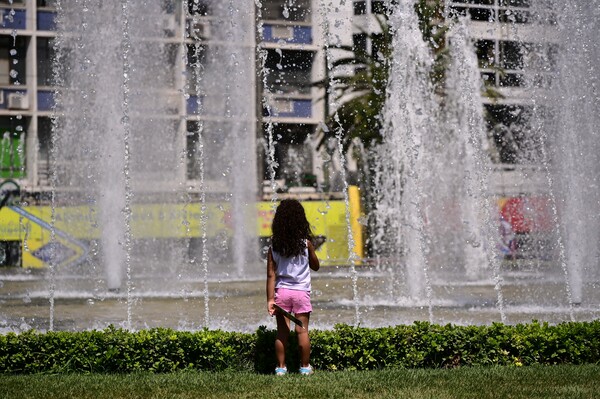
(120,151)
(436,246)
(574,150)
(436,214)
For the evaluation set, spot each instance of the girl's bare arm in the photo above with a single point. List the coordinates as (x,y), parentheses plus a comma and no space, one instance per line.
(313,261)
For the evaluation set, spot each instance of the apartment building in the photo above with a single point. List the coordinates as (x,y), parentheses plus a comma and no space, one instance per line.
(295,42)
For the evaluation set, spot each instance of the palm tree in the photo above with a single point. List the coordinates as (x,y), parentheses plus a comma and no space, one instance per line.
(360,95)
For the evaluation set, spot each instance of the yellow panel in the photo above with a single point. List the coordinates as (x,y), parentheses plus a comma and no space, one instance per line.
(33,226)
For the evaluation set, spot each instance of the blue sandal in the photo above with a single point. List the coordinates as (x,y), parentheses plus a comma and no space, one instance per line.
(280,370)
(306,370)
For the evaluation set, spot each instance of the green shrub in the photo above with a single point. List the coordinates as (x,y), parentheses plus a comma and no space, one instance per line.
(420,345)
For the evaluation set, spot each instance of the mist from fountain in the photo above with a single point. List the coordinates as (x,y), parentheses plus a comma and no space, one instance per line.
(467,147)
(436,213)
(403,159)
(118,141)
(572,138)
(91,129)
(229,132)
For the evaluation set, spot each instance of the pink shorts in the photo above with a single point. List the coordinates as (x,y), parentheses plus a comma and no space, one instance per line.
(293,301)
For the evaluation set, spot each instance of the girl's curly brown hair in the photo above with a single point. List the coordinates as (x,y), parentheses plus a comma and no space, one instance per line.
(290,229)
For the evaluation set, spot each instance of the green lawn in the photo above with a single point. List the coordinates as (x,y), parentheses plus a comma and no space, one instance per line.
(498,382)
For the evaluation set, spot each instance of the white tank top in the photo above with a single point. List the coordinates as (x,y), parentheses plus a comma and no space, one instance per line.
(292,273)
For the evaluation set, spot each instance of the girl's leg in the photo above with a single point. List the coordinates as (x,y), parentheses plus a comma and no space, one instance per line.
(283,333)
(303,339)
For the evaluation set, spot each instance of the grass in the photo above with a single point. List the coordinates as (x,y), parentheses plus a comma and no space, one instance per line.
(476,382)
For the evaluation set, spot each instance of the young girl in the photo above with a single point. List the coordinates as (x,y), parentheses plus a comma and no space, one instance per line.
(288,279)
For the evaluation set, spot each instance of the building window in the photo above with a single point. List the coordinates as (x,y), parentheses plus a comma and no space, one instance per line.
(44,143)
(502,62)
(296,164)
(359,42)
(12,60)
(504,11)
(12,146)
(511,55)
(378,7)
(19,3)
(45,55)
(360,7)
(46,3)
(277,10)
(298,11)
(193,151)
(293,154)
(511,80)
(486,14)
(195,60)
(541,59)
(201,8)
(289,72)
(513,134)
(515,3)
(486,53)
(378,45)
(514,16)
(212,157)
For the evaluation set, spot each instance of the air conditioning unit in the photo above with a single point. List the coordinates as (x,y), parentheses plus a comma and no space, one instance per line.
(281,106)
(282,32)
(18,101)
(169,24)
(200,30)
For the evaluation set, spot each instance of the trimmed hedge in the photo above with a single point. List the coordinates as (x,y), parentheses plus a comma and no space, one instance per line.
(420,345)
